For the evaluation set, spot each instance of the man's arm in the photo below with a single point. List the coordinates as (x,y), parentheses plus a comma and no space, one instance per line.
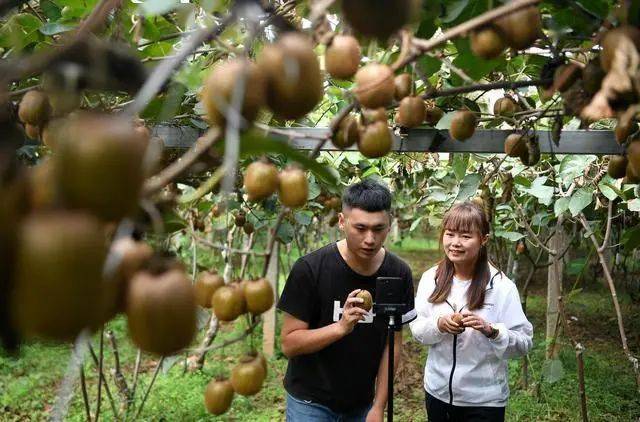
(298,339)
(382,380)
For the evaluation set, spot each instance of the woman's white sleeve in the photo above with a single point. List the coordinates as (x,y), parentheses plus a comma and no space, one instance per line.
(515,337)
(425,327)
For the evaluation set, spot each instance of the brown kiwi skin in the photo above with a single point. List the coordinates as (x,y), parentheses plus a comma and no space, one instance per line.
(411,112)
(375,86)
(611,40)
(375,140)
(463,125)
(487,42)
(522,28)
(342,56)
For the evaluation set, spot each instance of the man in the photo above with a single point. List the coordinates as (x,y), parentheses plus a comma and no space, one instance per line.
(338,352)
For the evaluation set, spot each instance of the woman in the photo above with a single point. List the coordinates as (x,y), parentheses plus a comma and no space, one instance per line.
(469,313)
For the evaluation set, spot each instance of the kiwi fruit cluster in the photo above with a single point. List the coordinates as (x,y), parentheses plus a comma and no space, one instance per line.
(231,300)
(518,30)
(262,179)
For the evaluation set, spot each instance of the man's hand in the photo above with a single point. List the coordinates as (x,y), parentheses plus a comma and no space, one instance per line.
(447,325)
(476,322)
(351,314)
(376,414)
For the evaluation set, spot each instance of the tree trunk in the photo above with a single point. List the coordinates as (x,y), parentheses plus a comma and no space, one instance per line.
(554,290)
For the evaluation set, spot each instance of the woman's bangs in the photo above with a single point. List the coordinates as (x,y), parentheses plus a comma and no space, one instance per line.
(462,221)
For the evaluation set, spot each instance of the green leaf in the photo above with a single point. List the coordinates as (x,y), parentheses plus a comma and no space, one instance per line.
(51,10)
(608,188)
(459,164)
(540,191)
(631,239)
(285,232)
(415,224)
(523,181)
(469,186)
(52,28)
(512,236)
(158,7)
(580,200)
(453,10)
(634,205)
(473,66)
(428,65)
(20,31)
(303,217)
(573,166)
(561,205)
(599,8)
(552,370)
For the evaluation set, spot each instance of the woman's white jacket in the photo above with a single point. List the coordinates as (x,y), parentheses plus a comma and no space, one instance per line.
(469,369)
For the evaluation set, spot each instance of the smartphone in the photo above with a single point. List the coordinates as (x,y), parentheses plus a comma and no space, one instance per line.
(389,296)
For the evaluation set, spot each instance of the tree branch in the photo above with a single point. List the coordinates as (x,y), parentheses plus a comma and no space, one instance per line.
(483,87)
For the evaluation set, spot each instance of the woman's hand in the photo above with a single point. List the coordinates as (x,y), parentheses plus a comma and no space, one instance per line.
(476,322)
(447,325)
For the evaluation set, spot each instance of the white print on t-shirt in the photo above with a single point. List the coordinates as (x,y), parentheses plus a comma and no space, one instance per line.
(337,312)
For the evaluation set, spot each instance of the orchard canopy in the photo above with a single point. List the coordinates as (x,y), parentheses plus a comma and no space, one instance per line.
(134,135)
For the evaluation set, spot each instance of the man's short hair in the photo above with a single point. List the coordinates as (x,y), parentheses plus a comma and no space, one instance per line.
(368,195)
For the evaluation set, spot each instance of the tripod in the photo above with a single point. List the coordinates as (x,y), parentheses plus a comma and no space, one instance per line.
(391,355)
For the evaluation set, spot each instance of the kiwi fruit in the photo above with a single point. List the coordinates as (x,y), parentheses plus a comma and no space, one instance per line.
(487,43)
(617,167)
(347,134)
(161,311)
(219,87)
(294,187)
(247,376)
(240,219)
(292,72)
(521,28)
(611,40)
(333,220)
(53,132)
(205,286)
(375,115)
(380,18)
(58,275)
(521,248)
(411,112)
(403,84)
(375,86)
(505,106)
(334,203)
(63,102)
(42,193)
(99,166)
(218,396)
(433,115)
(342,56)
(592,76)
(633,156)
(566,75)
(248,227)
(34,108)
(463,125)
(457,318)
(365,295)
(260,180)
(258,295)
(228,303)
(32,131)
(624,129)
(515,145)
(375,140)
(531,156)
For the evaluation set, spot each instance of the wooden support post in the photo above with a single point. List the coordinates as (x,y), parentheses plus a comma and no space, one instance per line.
(554,291)
(269,317)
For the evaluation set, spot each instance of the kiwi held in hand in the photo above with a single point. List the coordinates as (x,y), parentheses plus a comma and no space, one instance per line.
(218,396)
(260,180)
(294,187)
(375,85)
(161,311)
(375,140)
(463,125)
(292,72)
(457,318)
(365,295)
(342,57)
(219,88)
(487,43)
(411,112)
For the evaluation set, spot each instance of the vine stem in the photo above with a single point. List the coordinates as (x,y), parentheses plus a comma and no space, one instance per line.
(146,393)
(614,297)
(65,392)
(424,46)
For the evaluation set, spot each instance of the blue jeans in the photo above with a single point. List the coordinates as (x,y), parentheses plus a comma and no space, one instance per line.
(307,411)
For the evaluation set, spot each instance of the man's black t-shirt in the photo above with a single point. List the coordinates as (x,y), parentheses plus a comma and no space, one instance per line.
(342,375)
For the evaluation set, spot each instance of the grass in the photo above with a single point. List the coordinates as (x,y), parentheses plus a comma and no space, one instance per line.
(28,383)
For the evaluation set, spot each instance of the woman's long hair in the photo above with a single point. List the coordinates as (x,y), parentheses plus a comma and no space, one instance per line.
(464,217)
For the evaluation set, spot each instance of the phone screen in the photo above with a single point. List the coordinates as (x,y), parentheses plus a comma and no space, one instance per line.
(389,291)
